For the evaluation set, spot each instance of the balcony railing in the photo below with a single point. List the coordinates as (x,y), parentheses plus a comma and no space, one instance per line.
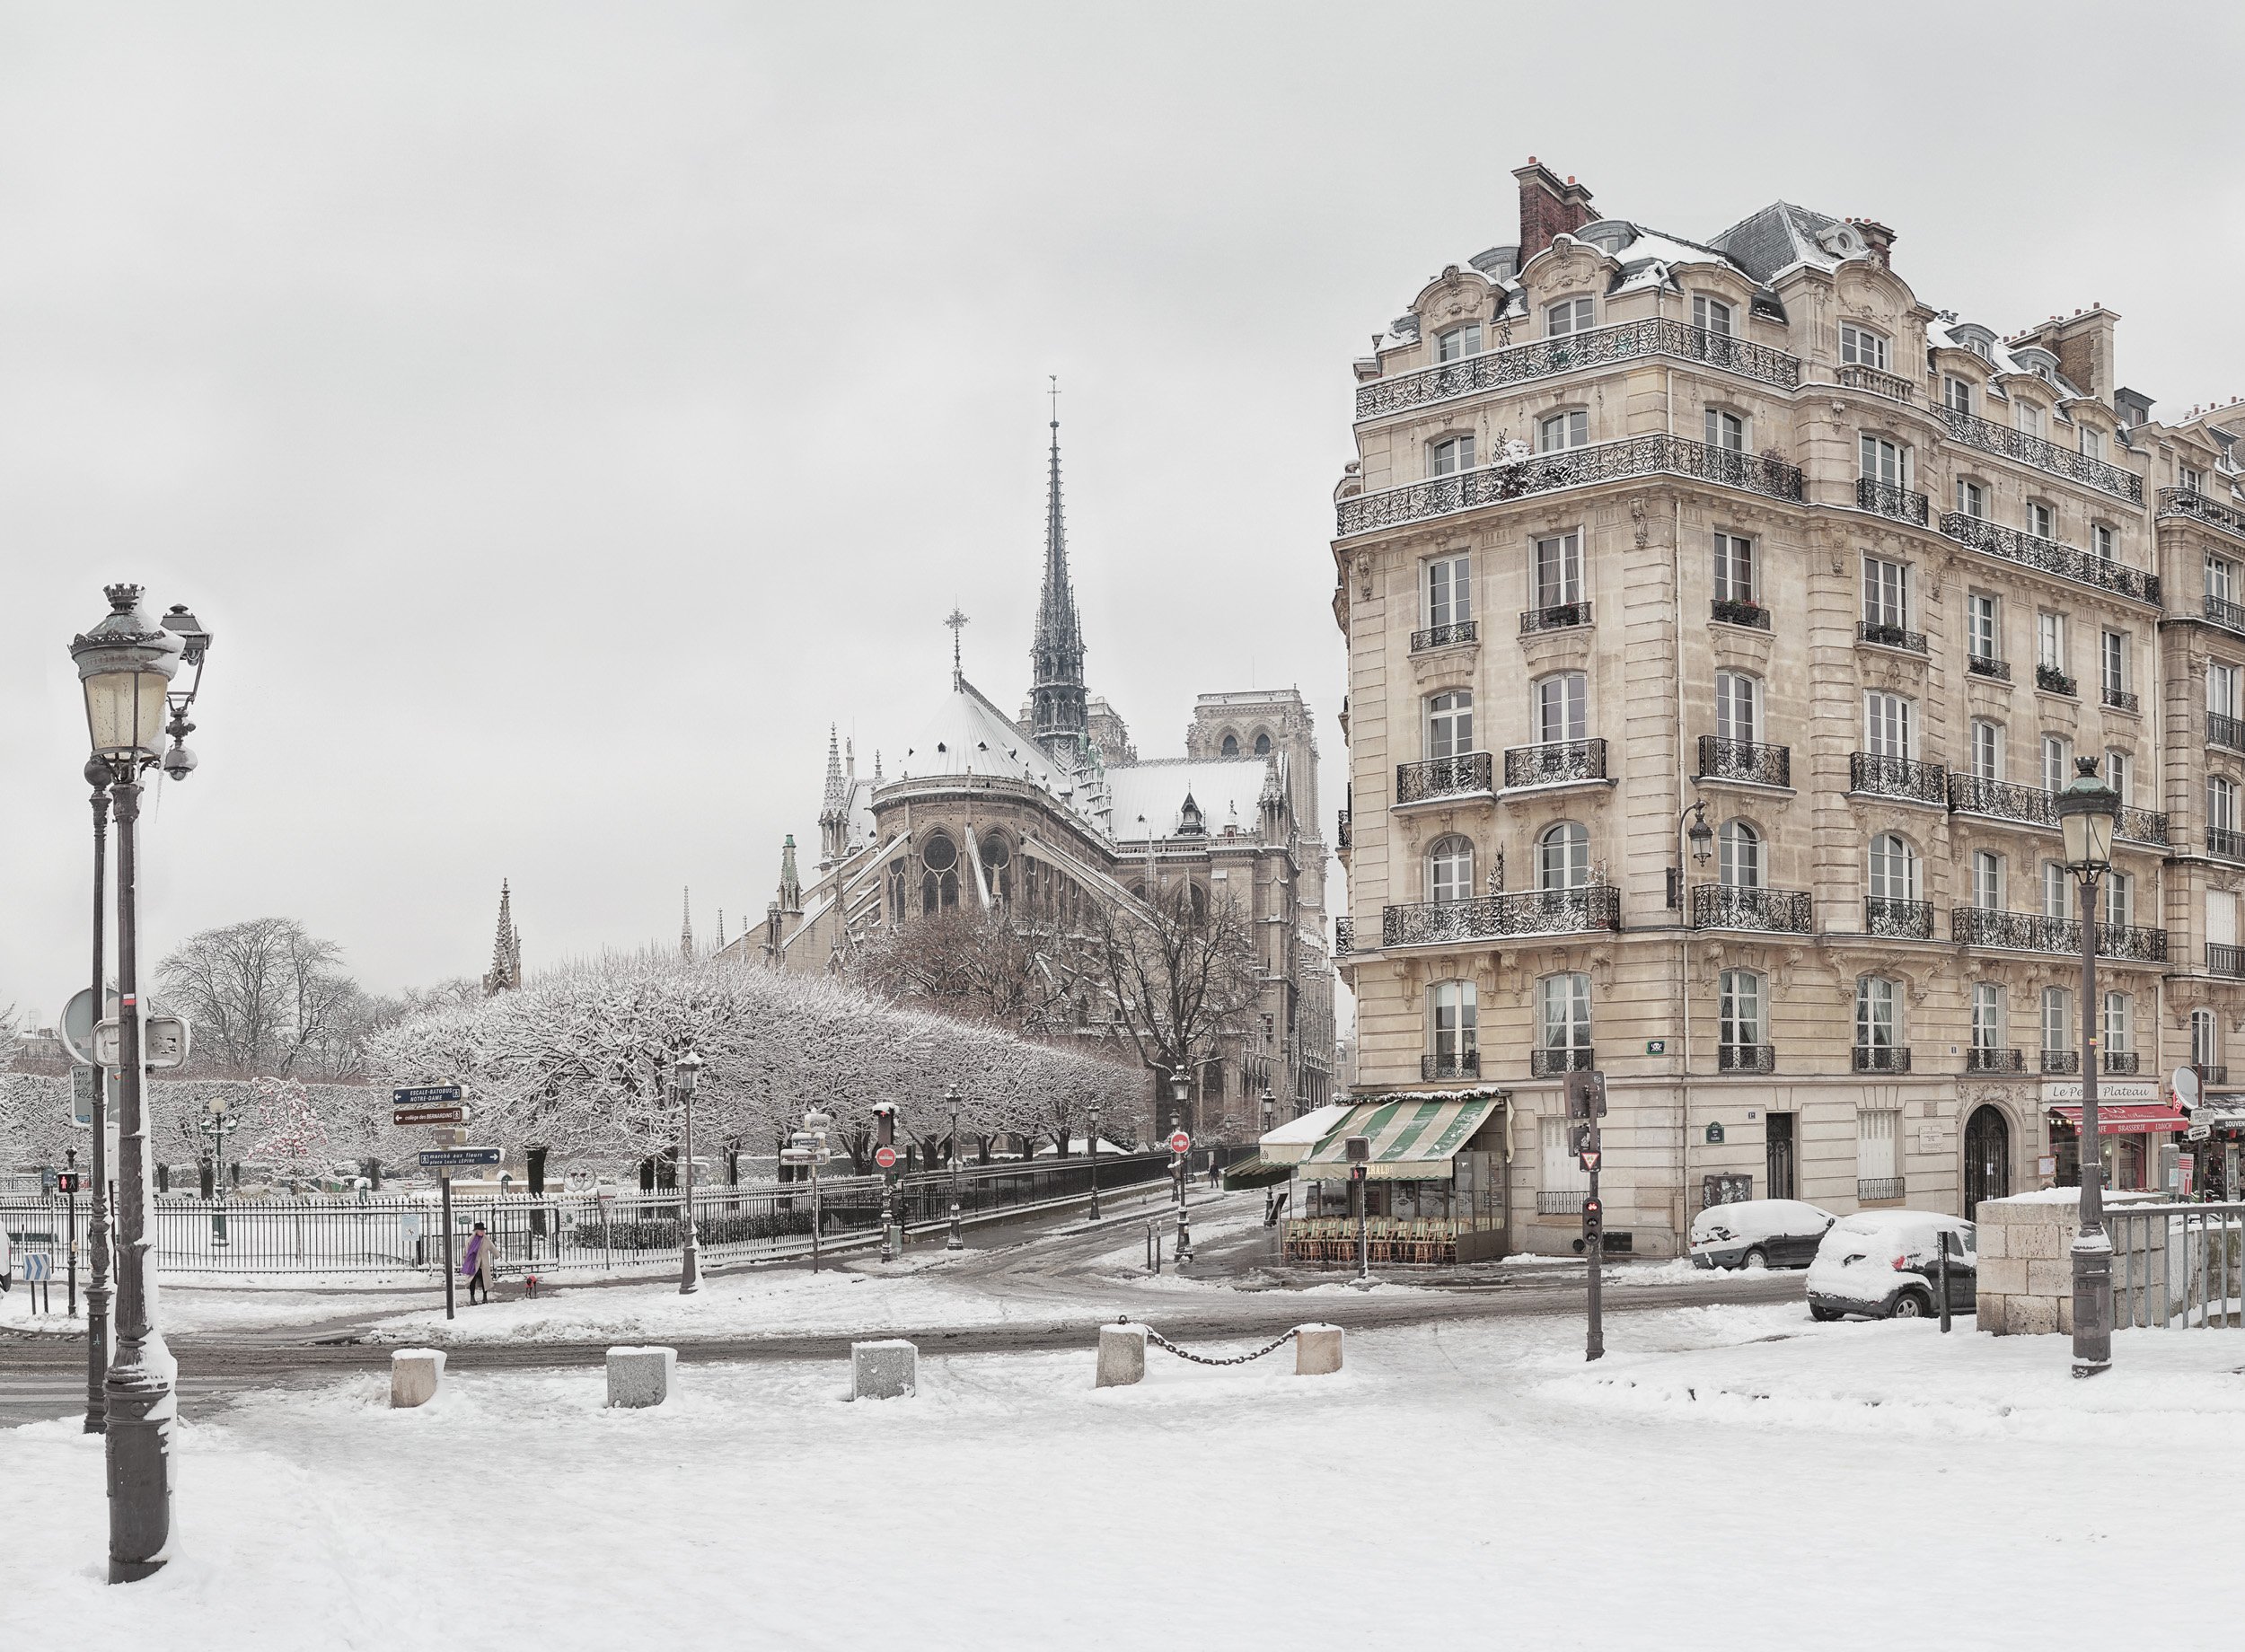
(1889,636)
(1990,437)
(1343,937)
(2061,1060)
(1898,777)
(1882,1057)
(1731,612)
(1892,386)
(1555,761)
(2226,842)
(1465,1064)
(2051,557)
(1340,831)
(1980,665)
(1981,1060)
(1443,635)
(2230,615)
(1746,1057)
(1744,760)
(1554,616)
(2223,959)
(2122,699)
(2190,502)
(1898,921)
(2211,1072)
(2033,932)
(1873,1190)
(1775,911)
(1551,1063)
(2141,826)
(1887,500)
(1628,342)
(2122,1062)
(1540,473)
(1444,777)
(2222,730)
(1971,794)
(2051,680)
(1527,912)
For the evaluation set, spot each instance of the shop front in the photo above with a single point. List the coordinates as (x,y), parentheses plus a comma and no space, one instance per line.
(1434,1182)
(2134,1121)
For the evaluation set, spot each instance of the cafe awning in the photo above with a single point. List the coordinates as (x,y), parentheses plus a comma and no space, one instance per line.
(1293,1141)
(1414,1138)
(2124,1118)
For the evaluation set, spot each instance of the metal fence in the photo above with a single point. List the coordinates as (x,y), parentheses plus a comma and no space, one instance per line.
(2178,1265)
(593,1233)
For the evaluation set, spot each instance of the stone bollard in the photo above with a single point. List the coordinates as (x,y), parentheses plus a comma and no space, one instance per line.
(882,1370)
(1317,1349)
(1122,1356)
(415,1374)
(639,1376)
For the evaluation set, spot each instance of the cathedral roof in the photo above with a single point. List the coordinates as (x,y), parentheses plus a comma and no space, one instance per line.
(971,736)
(1228,790)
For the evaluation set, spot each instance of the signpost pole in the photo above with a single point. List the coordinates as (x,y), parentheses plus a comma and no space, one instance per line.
(443,1187)
(1586,1105)
(1594,1253)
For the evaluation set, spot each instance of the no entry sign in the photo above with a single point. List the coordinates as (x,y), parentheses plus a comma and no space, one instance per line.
(886,1157)
(1179,1141)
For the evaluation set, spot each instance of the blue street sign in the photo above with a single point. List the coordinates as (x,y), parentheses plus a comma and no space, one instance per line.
(426,1092)
(37,1268)
(450,1158)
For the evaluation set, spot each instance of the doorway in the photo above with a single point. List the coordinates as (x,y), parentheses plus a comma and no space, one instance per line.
(1778,1168)
(1987,1158)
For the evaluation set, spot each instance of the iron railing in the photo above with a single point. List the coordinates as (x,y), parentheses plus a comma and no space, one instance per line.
(2141,825)
(2123,1062)
(1596,347)
(1889,636)
(2035,932)
(1459,1064)
(2190,502)
(1554,761)
(1881,1057)
(2230,615)
(2122,699)
(1744,760)
(1443,635)
(2051,557)
(1875,775)
(2226,842)
(1775,911)
(1854,375)
(1889,500)
(1990,437)
(1972,794)
(2178,1266)
(2222,730)
(1526,911)
(1343,937)
(2061,1060)
(2225,960)
(1982,1058)
(1546,1063)
(1443,777)
(2211,1072)
(1980,665)
(1731,612)
(2052,679)
(1871,1190)
(1579,467)
(1898,921)
(1554,616)
(1746,1057)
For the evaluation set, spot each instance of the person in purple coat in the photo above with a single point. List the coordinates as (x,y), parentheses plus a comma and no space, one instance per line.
(475,1264)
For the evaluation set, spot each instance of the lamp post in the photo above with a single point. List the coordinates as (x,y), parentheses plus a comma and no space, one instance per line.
(98,776)
(215,1126)
(126,667)
(2088,811)
(687,1070)
(954,1242)
(1179,1087)
(1094,1161)
(884,1139)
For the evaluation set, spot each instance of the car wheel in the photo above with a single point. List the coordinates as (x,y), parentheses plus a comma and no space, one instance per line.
(1822,1315)
(1909,1305)
(1754,1258)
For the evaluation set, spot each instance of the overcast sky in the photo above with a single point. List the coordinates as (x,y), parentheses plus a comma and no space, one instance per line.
(559,413)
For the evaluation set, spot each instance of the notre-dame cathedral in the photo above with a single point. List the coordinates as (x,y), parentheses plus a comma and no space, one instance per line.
(1056,807)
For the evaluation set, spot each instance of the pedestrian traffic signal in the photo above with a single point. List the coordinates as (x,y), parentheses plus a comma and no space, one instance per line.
(1586,1095)
(69,1181)
(1593,1215)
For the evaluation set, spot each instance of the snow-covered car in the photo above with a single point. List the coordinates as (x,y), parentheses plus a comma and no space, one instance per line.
(1885,1264)
(1759,1233)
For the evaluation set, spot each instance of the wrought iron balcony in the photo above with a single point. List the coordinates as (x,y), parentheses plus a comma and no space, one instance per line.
(1887,500)
(1990,437)
(2052,557)
(2226,842)
(1980,665)
(1527,912)
(2223,959)
(2211,1072)
(1744,760)
(1731,612)
(2230,615)
(1341,832)
(1463,1064)
(1898,777)
(1557,617)
(1598,347)
(1774,911)
(1892,386)
(1554,762)
(1971,794)
(2222,730)
(1444,777)
(1883,1058)
(2122,1062)
(1898,921)
(2122,699)
(2061,1060)
(2141,826)
(1746,1057)
(1979,1059)
(1443,635)
(1889,636)
(2052,681)
(2190,502)
(1873,1190)
(1532,474)
(1343,937)
(2033,932)
(1551,1063)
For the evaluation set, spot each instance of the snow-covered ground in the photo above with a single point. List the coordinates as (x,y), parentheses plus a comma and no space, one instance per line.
(1752,1480)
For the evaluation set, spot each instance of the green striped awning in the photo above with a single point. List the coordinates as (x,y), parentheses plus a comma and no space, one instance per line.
(1413,1137)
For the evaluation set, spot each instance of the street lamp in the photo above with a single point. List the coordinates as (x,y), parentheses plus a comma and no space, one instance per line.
(126,667)
(686,1069)
(1179,1087)
(1270,1110)
(2088,810)
(215,1126)
(954,1241)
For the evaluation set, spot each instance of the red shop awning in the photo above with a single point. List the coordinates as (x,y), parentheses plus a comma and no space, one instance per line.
(2124,1118)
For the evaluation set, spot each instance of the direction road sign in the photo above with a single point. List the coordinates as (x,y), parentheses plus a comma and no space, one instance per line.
(38,1266)
(452,1158)
(886,1157)
(424,1094)
(1179,1141)
(428,1115)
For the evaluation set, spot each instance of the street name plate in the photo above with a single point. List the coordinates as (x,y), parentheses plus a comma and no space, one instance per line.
(428,1115)
(452,1158)
(425,1094)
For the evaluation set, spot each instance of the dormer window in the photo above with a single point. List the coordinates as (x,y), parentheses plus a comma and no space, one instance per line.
(2092,442)
(2027,416)
(1711,315)
(1979,347)
(1860,348)
(1569,315)
(1459,341)
(1562,430)
(1956,395)
(1450,455)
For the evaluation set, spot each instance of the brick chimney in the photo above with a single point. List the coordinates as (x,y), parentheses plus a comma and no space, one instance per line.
(1880,239)
(1548,207)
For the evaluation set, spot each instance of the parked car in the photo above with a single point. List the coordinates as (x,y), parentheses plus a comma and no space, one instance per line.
(1885,1264)
(1759,1233)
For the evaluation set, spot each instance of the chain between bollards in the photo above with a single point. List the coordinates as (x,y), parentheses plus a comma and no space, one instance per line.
(1202,1360)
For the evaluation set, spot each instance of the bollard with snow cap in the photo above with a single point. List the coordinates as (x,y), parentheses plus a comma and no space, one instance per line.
(415,1375)
(1317,1351)
(887,1370)
(641,1376)
(1122,1356)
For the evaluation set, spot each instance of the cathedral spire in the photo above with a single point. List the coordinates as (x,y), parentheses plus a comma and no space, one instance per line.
(1056,694)
(507,950)
(834,816)
(791,881)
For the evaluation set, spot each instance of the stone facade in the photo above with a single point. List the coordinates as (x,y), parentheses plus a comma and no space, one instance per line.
(1744,532)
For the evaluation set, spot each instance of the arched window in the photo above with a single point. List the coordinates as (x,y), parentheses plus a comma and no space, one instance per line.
(1563,856)
(896,893)
(940,879)
(1196,897)
(1263,745)
(1230,746)
(998,866)
(1450,870)
(1742,854)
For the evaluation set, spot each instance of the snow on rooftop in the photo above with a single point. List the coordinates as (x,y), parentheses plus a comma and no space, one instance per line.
(1228,791)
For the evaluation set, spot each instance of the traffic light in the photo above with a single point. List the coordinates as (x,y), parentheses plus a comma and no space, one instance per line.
(1586,1095)
(69,1181)
(1581,1139)
(1593,1217)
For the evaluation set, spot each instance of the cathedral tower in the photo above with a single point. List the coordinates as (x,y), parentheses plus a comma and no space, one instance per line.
(1057,709)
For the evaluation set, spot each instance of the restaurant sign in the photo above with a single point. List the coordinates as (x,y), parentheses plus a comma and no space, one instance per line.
(2120,1091)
